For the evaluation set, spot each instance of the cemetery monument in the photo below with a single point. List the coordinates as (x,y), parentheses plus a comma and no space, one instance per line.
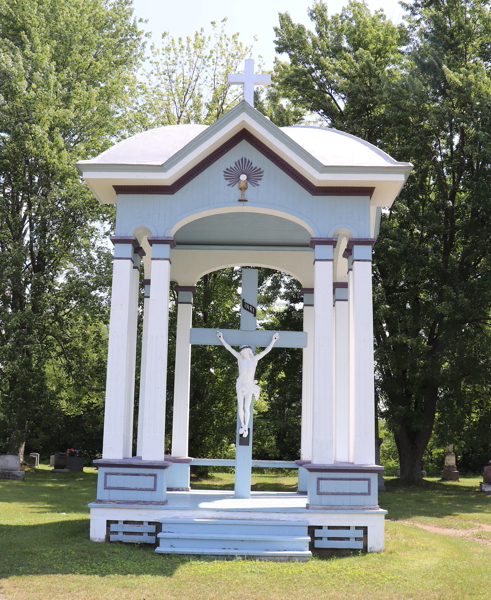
(311,208)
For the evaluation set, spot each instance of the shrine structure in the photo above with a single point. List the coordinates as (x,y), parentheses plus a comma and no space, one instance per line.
(192,199)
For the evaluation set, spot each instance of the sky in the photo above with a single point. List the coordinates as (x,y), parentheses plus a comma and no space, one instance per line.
(250,18)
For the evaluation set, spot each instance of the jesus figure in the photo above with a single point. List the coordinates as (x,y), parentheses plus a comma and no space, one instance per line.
(246,386)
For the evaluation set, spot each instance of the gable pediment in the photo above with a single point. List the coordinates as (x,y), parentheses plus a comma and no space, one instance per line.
(381,181)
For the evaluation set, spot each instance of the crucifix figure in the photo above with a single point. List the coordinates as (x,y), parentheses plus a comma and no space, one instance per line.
(249,79)
(246,386)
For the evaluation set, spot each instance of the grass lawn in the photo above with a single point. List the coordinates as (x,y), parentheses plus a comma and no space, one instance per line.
(438,546)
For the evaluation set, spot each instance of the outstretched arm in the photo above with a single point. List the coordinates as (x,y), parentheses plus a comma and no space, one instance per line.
(276,337)
(229,348)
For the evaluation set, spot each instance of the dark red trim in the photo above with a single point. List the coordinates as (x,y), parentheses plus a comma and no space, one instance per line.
(162,240)
(339,284)
(322,242)
(186,288)
(146,281)
(140,251)
(125,239)
(304,291)
(246,135)
(350,468)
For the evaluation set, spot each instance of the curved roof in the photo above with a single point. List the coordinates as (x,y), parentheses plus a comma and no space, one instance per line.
(329,146)
(332,147)
(152,147)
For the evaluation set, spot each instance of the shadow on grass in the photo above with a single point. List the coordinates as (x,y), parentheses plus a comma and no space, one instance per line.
(51,492)
(431,499)
(64,548)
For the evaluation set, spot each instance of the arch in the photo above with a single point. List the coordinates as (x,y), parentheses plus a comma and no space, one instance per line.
(340,264)
(189,265)
(252,265)
(142,231)
(343,228)
(256,208)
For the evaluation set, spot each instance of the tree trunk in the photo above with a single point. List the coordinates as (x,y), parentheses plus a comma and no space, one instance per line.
(17,444)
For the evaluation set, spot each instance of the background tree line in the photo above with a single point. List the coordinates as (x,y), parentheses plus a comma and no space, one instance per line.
(73,81)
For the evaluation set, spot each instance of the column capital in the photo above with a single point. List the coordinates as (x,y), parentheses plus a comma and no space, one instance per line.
(323,248)
(358,242)
(340,290)
(161,247)
(308,296)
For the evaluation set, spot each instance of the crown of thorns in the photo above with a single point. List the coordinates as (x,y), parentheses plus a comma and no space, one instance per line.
(243,166)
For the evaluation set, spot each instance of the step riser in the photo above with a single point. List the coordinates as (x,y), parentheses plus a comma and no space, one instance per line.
(284,556)
(233,545)
(178,528)
(218,537)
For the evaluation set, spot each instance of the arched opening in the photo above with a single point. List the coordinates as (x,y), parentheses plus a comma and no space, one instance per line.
(213,372)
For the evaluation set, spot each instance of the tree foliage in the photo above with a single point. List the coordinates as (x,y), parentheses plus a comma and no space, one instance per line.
(65,68)
(422,93)
(187,80)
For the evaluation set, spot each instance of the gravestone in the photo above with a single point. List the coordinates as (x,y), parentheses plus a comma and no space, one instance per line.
(33,460)
(10,467)
(486,484)
(450,472)
(63,463)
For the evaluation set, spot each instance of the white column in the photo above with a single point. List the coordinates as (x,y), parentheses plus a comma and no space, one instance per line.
(323,405)
(180,422)
(351,368)
(341,372)
(118,409)
(143,362)
(307,374)
(363,352)
(153,432)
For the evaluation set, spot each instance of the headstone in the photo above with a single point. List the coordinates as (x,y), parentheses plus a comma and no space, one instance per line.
(450,472)
(63,463)
(486,484)
(52,460)
(33,460)
(10,467)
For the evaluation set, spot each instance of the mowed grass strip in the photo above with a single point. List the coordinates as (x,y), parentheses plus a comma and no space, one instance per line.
(45,552)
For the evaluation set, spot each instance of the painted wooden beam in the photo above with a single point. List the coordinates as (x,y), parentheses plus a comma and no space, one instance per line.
(236,337)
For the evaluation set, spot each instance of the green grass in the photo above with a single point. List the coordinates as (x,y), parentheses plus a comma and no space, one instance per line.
(45,552)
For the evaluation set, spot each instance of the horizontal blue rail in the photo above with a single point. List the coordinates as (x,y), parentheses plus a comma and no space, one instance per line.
(230,462)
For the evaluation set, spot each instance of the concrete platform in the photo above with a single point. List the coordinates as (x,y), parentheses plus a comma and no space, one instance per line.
(261,506)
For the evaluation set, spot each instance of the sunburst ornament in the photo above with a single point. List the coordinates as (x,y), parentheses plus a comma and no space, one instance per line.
(243,172)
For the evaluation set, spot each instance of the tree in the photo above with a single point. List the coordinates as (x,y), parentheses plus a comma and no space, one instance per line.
(187,81)
(65,72)
(427,100)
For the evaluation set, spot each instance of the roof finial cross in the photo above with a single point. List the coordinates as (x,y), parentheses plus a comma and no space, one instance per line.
(249,79)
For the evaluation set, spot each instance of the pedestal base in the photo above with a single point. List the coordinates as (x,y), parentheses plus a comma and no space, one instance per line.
(343,486)
(450,475)
(132,480)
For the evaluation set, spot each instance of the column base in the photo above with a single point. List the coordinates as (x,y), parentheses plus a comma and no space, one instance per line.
(178,477)
(303,477)
(132,480)
(343,486)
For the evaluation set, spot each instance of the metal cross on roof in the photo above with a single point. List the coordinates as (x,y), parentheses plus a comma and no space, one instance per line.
(249,79)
